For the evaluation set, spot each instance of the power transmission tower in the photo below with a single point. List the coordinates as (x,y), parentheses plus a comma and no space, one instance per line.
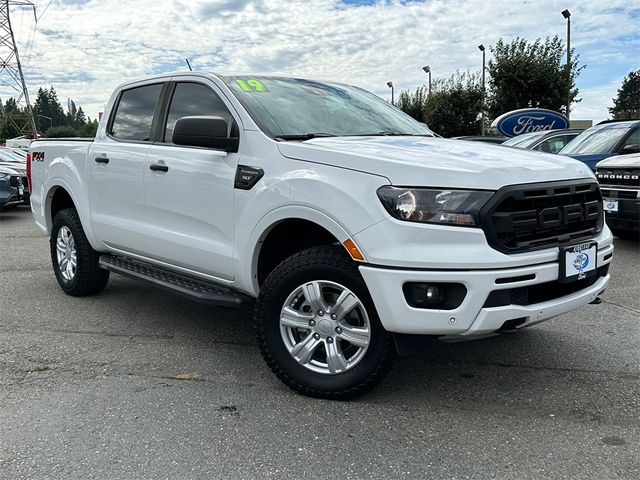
(12,82)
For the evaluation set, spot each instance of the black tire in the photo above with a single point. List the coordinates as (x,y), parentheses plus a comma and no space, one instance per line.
(331,264)
(89,278)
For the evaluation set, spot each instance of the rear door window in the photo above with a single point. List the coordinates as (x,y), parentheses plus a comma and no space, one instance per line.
(134,113)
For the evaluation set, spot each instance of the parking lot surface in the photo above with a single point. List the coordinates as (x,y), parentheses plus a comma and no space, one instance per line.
(139,383)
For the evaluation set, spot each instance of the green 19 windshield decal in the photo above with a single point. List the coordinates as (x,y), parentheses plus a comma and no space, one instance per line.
(251,85)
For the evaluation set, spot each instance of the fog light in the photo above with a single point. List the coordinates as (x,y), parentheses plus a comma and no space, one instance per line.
(434,296)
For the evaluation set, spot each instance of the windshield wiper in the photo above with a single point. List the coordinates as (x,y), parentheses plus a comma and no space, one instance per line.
(395,134)
(303,136)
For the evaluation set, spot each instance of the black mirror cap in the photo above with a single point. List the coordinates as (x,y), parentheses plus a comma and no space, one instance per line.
(204,131)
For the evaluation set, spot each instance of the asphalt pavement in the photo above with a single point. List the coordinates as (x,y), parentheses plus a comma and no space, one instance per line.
(137,383)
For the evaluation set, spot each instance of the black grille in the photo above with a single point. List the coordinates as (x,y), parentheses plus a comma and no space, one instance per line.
(631,194)
(528,217)
(542,292)
(621,176)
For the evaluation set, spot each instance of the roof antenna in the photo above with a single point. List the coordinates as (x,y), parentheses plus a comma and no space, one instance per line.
(188,64)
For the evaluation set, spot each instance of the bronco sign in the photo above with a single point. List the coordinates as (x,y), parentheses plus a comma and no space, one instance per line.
(527,120)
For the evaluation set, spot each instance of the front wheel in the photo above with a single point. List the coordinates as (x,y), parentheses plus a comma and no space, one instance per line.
(317,327)
(75,262)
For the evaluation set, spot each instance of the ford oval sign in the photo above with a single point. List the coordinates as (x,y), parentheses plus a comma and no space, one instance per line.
(527,120)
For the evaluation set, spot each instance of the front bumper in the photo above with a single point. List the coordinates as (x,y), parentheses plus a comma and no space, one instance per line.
(627,217)
(472,317)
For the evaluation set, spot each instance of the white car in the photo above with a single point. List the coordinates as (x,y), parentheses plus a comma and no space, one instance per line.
(354,228)
(619,179)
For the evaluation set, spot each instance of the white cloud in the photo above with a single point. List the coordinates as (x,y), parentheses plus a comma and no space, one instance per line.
(84,49)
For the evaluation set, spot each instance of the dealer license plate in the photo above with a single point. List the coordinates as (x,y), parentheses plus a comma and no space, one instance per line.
(578,261)
(610,205)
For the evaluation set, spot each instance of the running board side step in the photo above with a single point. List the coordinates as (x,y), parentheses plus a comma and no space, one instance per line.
(184,285)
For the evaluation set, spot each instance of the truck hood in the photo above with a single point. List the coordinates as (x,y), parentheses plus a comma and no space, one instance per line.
(13,168)
(427,161)
(631,160)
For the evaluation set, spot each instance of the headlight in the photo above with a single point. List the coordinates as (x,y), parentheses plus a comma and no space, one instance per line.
(3,175)
(450,207)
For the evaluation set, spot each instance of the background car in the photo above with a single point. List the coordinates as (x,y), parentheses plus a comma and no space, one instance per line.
(550,141)
(18,152)
(619,179)
(608,138)
(12,190)
(13,162)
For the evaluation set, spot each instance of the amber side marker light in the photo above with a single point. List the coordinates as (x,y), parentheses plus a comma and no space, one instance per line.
(353,250)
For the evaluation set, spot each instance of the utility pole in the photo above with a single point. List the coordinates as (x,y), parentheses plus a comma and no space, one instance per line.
(567,14)
(482,49)
(427,70)
(12,82)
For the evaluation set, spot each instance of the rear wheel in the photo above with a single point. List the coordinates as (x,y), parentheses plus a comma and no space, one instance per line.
(75,263)
(317,327)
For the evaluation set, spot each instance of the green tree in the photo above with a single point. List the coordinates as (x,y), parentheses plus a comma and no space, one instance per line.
(627,103)
(454,106)
(452,109)
(62,131)
(414,104)
(11,129)
(80,119)
(524,74)
(57,113)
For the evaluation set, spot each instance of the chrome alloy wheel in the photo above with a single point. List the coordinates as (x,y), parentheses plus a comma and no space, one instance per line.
(325,327)
(66,253)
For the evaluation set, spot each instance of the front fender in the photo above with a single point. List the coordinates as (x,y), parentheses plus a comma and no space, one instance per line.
(341,201)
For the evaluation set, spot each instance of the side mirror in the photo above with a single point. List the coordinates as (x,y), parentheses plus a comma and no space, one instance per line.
(633,148)
(207,132)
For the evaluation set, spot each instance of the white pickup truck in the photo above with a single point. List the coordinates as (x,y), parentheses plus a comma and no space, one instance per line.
(355,228)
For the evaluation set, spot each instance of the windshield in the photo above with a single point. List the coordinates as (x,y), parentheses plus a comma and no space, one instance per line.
(523,141)
(295,107)
(592,142)
(8,156)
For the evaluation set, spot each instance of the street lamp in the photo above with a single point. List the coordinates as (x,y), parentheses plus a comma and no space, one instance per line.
(48,118)
(567,14)
(390,85)
(481,48)
(427,70)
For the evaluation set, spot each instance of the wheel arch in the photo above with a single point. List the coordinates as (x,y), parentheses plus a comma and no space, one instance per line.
(59,196)
(320,229)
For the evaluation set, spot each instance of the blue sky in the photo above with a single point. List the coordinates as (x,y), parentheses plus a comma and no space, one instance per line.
(84,48)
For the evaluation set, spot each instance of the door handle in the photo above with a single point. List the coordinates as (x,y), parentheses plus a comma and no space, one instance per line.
(102,159)
(156,167)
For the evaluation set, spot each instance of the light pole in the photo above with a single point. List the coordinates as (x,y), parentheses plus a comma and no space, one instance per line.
(427,70)
(481,48)
(390,85)
(567,14)
(48,118)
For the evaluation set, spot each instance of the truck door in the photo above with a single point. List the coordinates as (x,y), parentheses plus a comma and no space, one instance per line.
(116,165)
(189,190)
